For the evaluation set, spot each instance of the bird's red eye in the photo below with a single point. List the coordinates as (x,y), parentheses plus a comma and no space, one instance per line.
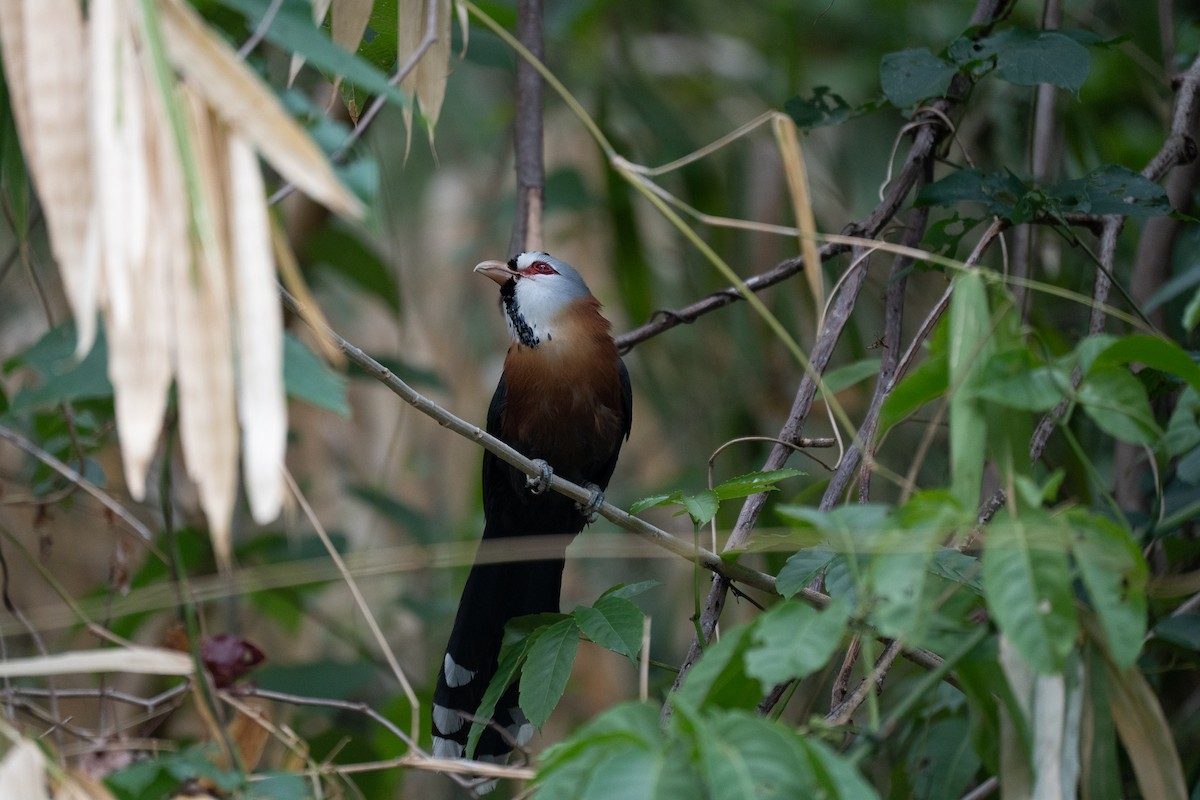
(542,268)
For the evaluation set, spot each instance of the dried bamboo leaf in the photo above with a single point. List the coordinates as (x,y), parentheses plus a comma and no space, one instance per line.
(350,18)
(204,343)
(53,50)
(319,9)
(23,771)
(133,659)
(410,15)
(1145,734)
(262,406)
(434,69)
(139,360)
(246,105)
(12,48)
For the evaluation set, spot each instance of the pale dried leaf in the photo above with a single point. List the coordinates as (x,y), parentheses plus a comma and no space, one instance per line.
(350,18)
(249,107)
(319,9)
(464,26)
(794,168)
(78,786)
(262,406)
(410,15)
(23,771)
(434,69)
(138,360)
(132,659)
(55,65)
(204,344)
(12,48)
(309,310)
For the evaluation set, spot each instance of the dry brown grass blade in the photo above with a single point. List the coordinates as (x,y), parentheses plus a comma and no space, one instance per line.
(309,311)
(350,18)
(52,119)
(78,786)
(132,659)
(788,141)
(204,343)
(262,408)
(1145,733)
(247,106)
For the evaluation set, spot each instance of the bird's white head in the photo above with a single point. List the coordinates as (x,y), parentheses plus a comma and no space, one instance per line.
(535,289)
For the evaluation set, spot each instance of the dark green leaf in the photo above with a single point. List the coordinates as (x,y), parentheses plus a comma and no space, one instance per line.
(614,623)
(793,640)
(929,381)
(631,590)
(823,108)
(719,677)
(910,76)
(547,669)
(1111,189)
(60,377)
(1002,193)
(957,567)
(1014,380)
(943,761)
(1028,587)
(1117,402)
(753,483)
(1152,351)
(653,500)
(1181,629)
(802,568)
(307,378)
(1115,574)
(513,654)
(1183,430)
(701,507)
(1028,58)
(342,251)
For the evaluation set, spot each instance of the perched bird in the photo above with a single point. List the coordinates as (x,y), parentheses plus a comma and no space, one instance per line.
(564,397)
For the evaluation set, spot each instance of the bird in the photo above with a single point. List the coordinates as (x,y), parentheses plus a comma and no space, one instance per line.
(564,399)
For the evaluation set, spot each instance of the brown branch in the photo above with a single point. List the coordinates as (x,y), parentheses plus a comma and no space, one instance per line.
(527,134)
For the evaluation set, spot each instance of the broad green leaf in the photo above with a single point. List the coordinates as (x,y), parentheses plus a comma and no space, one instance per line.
(631,590)
(1182,630)
(824,108)
(346,254)
(802,568)
(1111,189)
(719,677)
(1002,194)
(942,762)
(1028,58)
(753,483)
(512,655)
(793,640)
(1013,380)
(929,381)
(856,521)
(837,380)
(625,730)
(701,507)
(307,378)
(1152,351)
(1183,429)
(547,669)
(900,580)
(910,76)
(655,500)
(956,566)
(1114,574)
(613,623)
(969,350)
(1117,402)
(60,377)
(636,774)
(1027,582)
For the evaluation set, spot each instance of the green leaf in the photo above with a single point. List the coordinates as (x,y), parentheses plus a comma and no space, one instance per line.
(929,381)
(1183,430)
(1152,351)
(307,378)
(957,567)
(631,590)
(1027,58)
(753,483)
(631,774)
(901,582)
(910,76)
(1117,402)
(1028,587)
(656,500)
(346,254)
(719,677)
(701,507)
(613,623)
(824,108)
(802,568)
(1182,630)
(61,378)
(513,653)
(1111,189)
(1003,194)
(292,29)
(943,762)
(1115,575)
(279,786)
(1014,380)
(547,669)
(793,640)
(969,346)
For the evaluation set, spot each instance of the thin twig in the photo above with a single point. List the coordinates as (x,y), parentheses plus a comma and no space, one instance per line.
(260,30)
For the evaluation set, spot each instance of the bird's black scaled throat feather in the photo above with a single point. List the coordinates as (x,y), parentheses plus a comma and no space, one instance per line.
(508,294)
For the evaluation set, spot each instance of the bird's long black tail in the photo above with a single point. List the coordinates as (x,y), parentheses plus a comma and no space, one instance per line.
(494,594)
